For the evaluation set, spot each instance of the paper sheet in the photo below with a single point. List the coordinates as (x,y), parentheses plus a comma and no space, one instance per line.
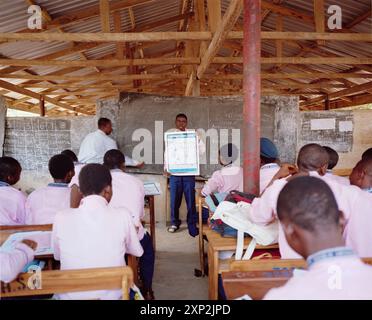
(42,238)
(151,188)
(323,124)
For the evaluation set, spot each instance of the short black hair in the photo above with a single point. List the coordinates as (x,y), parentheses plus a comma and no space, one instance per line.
(309,203)
(365,165)
(113,159)
(333,157)
(367,154)
(71,154)
(93,178)
(9,167)
(60,165)
(103,122)
(312,157)
(181,115)
(266,160)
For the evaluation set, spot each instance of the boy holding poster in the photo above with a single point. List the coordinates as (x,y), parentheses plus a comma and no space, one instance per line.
(181,162)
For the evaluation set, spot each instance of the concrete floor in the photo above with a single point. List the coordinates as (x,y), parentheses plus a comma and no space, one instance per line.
(176,258)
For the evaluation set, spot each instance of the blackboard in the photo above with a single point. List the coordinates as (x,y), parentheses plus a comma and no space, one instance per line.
(138,111)
(329,128)
(34,140)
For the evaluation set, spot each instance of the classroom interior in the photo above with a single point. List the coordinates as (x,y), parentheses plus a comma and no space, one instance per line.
(275,68)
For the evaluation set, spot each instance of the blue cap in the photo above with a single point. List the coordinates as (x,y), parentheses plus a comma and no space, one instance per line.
(268,149)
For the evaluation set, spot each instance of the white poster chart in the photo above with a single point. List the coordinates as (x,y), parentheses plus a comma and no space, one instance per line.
(182,153)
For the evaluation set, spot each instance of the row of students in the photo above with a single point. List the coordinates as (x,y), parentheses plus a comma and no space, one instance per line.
(42,206)
(230,176)
(352,201)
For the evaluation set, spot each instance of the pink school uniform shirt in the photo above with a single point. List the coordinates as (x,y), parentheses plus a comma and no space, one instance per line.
(94,236)
(267,173)
(224,180)
(338,179)
(12,263)
(264,208)
(333,278)
(128,192)
(43,204)
(12,205)
(358,233)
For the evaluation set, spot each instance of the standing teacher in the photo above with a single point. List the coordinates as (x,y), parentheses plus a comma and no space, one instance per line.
(181,184)
(97,143)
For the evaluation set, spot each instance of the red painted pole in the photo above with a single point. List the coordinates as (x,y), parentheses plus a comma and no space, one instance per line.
(252,95)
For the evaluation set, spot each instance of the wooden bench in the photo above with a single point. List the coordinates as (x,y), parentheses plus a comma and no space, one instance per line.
(6,231)
(257,277)
(216,244)
(58,281)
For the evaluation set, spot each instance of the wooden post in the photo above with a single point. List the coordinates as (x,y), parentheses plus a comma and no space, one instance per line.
(252,95)
(42,106)
(327,104)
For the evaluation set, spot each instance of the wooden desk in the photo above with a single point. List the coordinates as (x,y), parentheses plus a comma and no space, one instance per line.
(151,206)
(216,244)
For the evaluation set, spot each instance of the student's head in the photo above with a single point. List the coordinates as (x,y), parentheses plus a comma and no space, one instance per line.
(361,176)
(367,154)
(313,157)
(114,159)
(228,154)
(333,157)
(10,170)
(309,215)
(268,151)
(71,154)
(181,121)
(95,179)
(105,125)
(61,168)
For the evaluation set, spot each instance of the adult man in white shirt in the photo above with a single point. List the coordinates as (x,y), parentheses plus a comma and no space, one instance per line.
(97,143)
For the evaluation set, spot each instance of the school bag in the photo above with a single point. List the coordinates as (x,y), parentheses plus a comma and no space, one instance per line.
(229,202)
(238,218)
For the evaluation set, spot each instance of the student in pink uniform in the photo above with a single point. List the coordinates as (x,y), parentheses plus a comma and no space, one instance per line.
(312,224)
(77,165)
(43,204)
(12,201)
(94,235)
(128,192)
(312,160)
(230,177)
(12,263)
(333,160)
(361,176)
(269,157)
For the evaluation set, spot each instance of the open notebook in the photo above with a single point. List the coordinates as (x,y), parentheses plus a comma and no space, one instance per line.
(42,238)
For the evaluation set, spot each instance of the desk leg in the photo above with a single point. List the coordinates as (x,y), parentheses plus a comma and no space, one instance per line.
(213,273)
(152,220)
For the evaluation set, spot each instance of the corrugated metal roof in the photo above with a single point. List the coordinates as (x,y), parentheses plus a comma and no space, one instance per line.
(13,18)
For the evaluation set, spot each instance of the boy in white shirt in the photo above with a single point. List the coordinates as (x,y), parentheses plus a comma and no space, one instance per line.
(94,235)
(128,192)
(313,224)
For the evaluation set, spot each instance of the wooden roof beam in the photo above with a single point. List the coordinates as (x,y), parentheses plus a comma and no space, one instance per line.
(228,21)
(180,36)
(20,90)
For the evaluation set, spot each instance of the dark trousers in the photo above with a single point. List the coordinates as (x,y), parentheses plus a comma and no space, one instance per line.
(180,185)
(147,262)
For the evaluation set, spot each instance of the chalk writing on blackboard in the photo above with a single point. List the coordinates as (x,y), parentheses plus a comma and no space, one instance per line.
(33,141)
